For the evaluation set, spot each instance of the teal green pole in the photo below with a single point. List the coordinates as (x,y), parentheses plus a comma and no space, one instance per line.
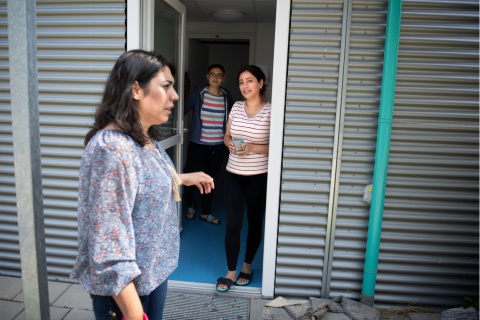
(385,117)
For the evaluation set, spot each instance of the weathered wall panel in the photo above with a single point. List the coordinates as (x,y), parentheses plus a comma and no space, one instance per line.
(429,245)
(77,44)
(310,122)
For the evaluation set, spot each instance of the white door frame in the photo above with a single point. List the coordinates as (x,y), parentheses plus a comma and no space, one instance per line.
(279,82)
(140,35)
(275,153)
(133,25)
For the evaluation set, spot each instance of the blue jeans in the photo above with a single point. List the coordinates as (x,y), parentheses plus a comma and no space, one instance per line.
(105,307)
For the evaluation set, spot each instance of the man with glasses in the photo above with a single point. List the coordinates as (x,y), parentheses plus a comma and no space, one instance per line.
(210,105)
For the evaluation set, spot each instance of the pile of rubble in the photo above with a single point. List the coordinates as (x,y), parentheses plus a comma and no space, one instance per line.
(341,308)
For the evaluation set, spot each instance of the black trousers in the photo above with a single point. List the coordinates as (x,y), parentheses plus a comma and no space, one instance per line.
(241,191)
(204,158)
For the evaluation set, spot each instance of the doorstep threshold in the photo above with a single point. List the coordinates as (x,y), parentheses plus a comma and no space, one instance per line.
(209,288)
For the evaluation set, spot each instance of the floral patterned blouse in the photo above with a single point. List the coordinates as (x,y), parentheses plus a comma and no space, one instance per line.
(127,217)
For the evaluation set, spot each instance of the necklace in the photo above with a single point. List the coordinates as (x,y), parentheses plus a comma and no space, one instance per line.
(176,181)
(254,112)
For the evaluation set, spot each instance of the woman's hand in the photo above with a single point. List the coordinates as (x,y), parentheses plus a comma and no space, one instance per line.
(252,148)
(200,179)
(247,148)
(231,148)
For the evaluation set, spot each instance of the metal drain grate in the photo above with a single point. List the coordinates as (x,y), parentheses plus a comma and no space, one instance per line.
(185,306)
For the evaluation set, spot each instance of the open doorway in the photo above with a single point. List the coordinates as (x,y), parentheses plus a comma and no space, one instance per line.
(231,53)
(233,45)
(202,244)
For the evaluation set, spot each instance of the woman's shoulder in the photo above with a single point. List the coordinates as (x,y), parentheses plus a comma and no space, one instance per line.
(237,107)
(267,107)
(238,104)
(111,140)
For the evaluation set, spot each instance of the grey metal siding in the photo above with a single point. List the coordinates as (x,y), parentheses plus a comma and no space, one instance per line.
(77,45)
(361,105)
(429,245)
(429,242)
(310,121)
(9,248)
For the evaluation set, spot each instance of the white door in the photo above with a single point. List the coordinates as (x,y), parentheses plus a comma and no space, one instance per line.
(159,25)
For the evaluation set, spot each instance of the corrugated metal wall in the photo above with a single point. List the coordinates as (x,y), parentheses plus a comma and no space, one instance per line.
(361,105)
(9,248)
(429,249)
(309,148)
(429,244)
(430,232)
(77,45)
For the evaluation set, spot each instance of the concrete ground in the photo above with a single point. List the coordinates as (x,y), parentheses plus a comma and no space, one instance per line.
(69,302)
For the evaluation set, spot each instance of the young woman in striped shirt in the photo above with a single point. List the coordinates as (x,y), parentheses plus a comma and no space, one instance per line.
(210,105)
(246,176)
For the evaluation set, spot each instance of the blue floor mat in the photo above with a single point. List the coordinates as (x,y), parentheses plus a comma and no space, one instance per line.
(202,249)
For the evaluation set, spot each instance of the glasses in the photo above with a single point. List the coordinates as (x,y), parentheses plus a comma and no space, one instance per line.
(216,75)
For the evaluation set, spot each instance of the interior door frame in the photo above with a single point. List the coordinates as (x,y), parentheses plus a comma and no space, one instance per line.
(275,154)
(140,35)
(140,32)
(142,19)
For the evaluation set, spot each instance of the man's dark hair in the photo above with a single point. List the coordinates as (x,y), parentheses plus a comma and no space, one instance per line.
(216,65)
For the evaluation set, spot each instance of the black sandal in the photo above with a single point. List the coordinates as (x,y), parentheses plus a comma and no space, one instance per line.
(226,282)
(190,215)
(246,276)
(210,219)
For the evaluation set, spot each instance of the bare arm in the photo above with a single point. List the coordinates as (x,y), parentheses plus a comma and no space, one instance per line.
(129,303)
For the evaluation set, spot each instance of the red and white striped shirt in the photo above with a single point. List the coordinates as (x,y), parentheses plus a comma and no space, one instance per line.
(255,130)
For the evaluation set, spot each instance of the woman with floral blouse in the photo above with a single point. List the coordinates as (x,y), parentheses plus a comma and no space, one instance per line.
(127,216)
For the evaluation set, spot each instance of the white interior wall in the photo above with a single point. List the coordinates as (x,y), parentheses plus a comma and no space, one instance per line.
(265,38)
(261,36)
(232,56)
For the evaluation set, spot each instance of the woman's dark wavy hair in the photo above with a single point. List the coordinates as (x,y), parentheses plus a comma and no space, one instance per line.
(118,106)
(257,73)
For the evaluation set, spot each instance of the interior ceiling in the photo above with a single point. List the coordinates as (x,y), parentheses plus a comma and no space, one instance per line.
(255,10)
